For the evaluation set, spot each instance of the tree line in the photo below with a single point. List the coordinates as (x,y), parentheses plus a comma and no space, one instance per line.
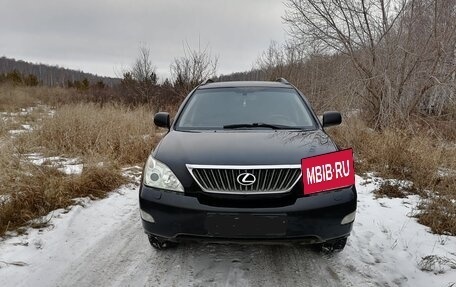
(139,84)
(48,75)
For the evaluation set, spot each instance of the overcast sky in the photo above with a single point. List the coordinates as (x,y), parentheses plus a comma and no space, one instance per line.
(103,37)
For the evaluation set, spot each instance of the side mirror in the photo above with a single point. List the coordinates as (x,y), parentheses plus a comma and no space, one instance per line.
(331,119)
(161,119)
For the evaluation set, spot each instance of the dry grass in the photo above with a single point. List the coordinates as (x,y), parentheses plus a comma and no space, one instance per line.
(111,133)
(416,157)
(17,120)
(439,214)
(394,153)
(436,264)
(14,98)
(29,191)
(4,127)
(114,135)
(439,210)
(389,190)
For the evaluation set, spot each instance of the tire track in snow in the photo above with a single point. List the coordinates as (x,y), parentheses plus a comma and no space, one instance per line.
(124,258)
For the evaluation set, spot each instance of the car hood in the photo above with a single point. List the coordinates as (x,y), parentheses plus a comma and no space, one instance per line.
(178,148)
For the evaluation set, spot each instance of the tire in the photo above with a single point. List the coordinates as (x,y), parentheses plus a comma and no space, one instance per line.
(336,245)
(160,244)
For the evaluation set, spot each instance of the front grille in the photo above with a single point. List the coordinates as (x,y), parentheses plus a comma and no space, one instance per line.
(227,179)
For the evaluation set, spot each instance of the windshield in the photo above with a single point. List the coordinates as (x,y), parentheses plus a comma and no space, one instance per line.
(245,108)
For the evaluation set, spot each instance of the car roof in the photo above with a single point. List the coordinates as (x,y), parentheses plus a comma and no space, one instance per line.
(233,84)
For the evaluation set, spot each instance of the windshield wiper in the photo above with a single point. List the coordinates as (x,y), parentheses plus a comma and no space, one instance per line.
(260,125)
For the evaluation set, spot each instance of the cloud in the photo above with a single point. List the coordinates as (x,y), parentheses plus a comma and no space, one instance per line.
(104,36)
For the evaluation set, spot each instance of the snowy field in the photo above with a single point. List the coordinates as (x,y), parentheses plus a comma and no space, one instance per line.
(101,243)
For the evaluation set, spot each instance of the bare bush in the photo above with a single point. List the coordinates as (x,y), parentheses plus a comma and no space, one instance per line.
(139,83)
(143,70)
(327,80)
(285,61)
(403,51)
(193,68)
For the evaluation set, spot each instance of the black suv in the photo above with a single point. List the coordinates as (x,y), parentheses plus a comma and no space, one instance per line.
(229,169)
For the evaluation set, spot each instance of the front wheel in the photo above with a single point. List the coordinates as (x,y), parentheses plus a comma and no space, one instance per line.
(159,243)
(336,245)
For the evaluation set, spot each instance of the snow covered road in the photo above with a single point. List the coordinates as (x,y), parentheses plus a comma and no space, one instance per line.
(102,244)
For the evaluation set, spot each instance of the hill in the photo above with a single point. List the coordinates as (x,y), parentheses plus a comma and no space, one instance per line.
(51,75)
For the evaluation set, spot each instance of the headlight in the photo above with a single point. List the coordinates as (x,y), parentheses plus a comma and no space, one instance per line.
(158,175)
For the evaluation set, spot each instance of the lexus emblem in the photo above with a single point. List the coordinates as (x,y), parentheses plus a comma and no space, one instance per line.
(246,178)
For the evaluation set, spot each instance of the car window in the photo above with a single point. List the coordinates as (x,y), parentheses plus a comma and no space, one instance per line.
(218,107)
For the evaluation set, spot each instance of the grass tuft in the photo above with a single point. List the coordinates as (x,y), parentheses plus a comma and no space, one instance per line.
(31,191)
(417,157)
(109,133)
(389,190)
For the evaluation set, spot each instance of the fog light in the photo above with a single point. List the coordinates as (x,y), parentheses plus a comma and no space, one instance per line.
(349,218)
(147,217)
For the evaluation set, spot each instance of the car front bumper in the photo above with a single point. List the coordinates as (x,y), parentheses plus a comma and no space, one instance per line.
(311,219)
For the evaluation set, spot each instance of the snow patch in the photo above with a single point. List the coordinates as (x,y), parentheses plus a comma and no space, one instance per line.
(17,132)
(65,165)
(387,243)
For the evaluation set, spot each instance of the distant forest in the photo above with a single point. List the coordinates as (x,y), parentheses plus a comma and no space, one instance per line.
(52,75)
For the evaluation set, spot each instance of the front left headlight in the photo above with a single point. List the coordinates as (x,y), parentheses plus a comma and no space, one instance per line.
(158,175)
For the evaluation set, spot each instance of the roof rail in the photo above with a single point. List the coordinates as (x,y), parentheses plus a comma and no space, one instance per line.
(283,81)
(207,81)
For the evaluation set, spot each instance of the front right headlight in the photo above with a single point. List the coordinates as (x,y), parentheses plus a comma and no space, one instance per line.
(158,175)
